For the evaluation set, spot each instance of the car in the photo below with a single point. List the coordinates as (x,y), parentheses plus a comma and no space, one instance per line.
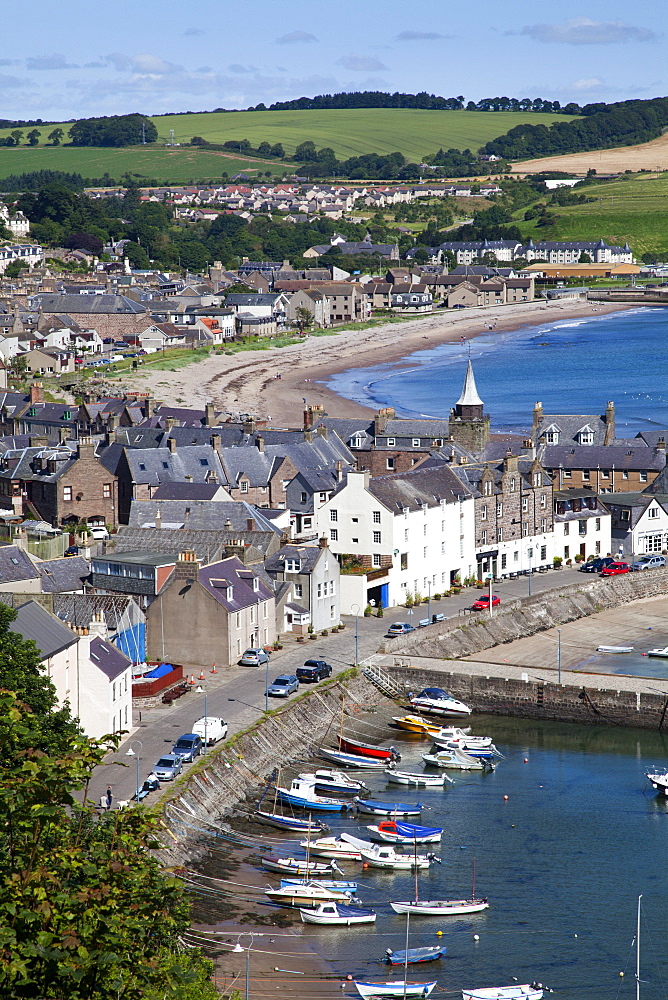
(254,657)
(615,569)
(283,686)
(313,671)
(99,532)
(596,565)
(187,747)
(399,628)
(482,604)
(72,550)
(108,340)
(168,767)
(210,728)
(648,562)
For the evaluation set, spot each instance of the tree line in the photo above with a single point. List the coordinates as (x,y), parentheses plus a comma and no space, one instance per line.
(423,101)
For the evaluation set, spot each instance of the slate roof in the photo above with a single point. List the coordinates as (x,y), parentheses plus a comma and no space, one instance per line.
(20,464)
(153,466)
(217,576)
(63,575)
(207,545)
(400,427)
(49,635)
(415,488)
(187,491)
(16,566)
(50,302)
(570,425)
(660,485)
(107,658)
(619,457)
(307,555)
(200,515)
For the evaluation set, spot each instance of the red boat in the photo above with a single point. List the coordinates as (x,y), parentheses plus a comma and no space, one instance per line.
(366,750)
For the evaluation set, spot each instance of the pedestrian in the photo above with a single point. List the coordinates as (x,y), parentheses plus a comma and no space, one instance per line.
(109,797)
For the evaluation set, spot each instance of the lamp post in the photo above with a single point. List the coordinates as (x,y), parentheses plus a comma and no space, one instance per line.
(132,753)
(429,600)
(201,689)
(238,948)
(355,608)
(559,655)
(530,555)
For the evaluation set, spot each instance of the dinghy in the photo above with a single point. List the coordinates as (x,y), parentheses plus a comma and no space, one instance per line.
(388,808)
(614,649)
(330,782)
(405,833)
(349,745)
(424,780)
(297,866)
(456,760)
(395,988)
(440,907)
(436,701)
(352,760)
(415,724)
(333,847)
(307,895)
(663,651)
(326,883)
(290,822)
(451,735)
(527,992)
(386,857)
(413,955)
(337,915)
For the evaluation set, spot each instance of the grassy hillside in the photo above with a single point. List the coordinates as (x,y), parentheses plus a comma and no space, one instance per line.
(632,210)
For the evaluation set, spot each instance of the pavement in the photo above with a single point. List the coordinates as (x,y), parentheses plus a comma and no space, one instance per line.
(237,694)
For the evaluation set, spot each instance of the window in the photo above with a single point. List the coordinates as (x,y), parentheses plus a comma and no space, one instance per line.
(483,512)
(598,548)
(424,529)
(643,477)
(376,560)
(487,488)
(499,510)
(525,529)
(536,479)
(653,543)
(391,442)
(499,535)
(605,473)
(424,552)
(567,473)
(389,463)
(586,437)
(625,474)
(404,560)
(376,538)
(405,534)
(443,526)
(292,565)
(332,588)
(106,491)
(67,492)
(333,515)
(525,504)
(586,475)
(204,461)
(543,500)
(512,484)
(503,560)
(323,498)
(355,541)
(416,442)
(298,589)
(265,609)
(319,590)
(442,548)
(483,537)
(304,498)
(624,515)
(597,524)
(543,524)
(567,528)
(543,553)
(516,555)
(552,437)
(652,512)
(566,551)
(243,485)
(376,517)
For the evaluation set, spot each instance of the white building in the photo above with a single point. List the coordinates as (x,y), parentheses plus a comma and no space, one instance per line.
(28,254)
(582,525)
(17,224)
(639,522)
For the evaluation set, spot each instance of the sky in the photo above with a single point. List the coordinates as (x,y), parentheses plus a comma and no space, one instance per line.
(79,59)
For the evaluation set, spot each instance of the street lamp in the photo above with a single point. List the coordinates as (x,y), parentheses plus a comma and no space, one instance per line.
(238,948)
(530,555)
(131,753)
(201,689)
(355,608)
(429,600)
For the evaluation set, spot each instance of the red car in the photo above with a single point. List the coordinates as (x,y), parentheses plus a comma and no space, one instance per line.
(482,604)
(615,568)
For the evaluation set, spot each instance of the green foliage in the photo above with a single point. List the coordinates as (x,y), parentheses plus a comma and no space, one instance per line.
(33,137)
(118,130)
(56,137)
(13,269)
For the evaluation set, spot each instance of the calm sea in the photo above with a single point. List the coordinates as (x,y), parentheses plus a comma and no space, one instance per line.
(571,366)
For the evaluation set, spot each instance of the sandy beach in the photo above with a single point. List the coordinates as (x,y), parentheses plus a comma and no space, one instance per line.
(247,382)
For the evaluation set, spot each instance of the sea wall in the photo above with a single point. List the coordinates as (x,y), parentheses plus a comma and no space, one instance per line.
(459,637)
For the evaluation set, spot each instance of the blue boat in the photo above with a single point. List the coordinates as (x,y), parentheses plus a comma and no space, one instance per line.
(412,955)
(302,794)
(378,808)
(405,833)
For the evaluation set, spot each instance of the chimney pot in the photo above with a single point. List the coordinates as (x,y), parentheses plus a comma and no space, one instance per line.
(171,444)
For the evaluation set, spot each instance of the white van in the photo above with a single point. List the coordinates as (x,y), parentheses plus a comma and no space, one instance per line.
(216,729)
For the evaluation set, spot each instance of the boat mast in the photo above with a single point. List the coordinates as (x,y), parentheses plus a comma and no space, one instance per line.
(638,951)
(473,883)
(415,864)
(408,923)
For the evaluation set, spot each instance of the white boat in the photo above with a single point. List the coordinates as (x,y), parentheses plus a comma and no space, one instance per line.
(337,915)
(297,866)
(394,832)
(659,782)
(436,701)
(307,895)
(333,847)
(450,734)
(533,991)
(408,778)
(440,907)
(614,649)
(333,782)
(302,794)
(385,856)
(457,760)
(663,651)
(394,988)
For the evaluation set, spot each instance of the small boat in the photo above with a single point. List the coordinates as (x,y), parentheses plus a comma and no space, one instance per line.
(659,782)
(395,988)
(440,907)
(456,733)
(290,822)
(307,895)
(413,955)
(332,782)
(483,752)
(367,749)
(333,847)
(405,833)
(451,735)
(663,651)
(534,991)
(614,649)
(388,808)
(327,883)
(337,915)
(297,866)
(436,701)
(407,778)
(302,794)
(385,856)
(457,760)
(352,760)
(415,724)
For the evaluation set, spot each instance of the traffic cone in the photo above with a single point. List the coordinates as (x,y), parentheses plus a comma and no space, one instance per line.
(213,669)
(201,674)
(192,678)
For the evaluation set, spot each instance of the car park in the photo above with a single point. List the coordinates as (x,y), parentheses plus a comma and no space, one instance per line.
(187,747)
(399,628)
(168,767)
(595,565)
(313,671)
(283,686)
(254,657)
(653,561)
(482,603)
(615,569)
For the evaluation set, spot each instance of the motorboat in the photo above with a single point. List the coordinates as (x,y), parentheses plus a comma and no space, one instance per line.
(297,866)
(436,701)
(451,734)
(472,749)
(327,883)
(349,745)
(352,760)
(415,724)
(408,778)
(405,833)
(337,915)
(440,907)
(302,794)
(663,651)
(614,649)
(409,956)
(388,808)
(333,847)
(659,782)
(385,856)
(457,760)
(307,895)
(394,988)
(290,823)
(533,991)
(457,732)
(330,782)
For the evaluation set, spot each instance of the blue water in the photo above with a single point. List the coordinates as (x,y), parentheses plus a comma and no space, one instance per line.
(571,366)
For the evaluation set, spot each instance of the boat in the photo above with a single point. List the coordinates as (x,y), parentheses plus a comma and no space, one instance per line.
(349,745)
(413,955)
(659,781)
(385,856)
(327,883)
(614,649)
(394,988)
(457,732)
(436,701)
(332,782)
(290,822)
(483,752)
(440,907)
(298,866)
(408,778)
(388,808)
(307,895)
(457,760)
(302,794)
(333,847)
(663,651)
(415,724)
(351,759)
(405,833)
(450,734)
(533,991)
(337,915)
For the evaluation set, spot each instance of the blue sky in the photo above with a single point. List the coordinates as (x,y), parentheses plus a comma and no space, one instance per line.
(80,58)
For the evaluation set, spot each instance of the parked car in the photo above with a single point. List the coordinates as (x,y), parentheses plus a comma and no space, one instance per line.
(187,747)
(283,686)
(482,604)
(596,565)
(211,728)
(72,550)
(615,568)
(313,671)
(254,657)
(168,767)
(648,562)
(99,532)
(399,628)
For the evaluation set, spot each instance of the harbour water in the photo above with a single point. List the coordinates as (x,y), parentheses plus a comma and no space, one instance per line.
(562,861)
(571,366)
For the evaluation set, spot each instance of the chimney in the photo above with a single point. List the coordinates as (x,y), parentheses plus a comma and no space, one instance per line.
(609,423)
(259,443)
(149,407)
(210,417)
(339,471)
(38,441)
(187,567)
(312,413)
(250,524)
(382,417)
(661,445)
(214,441)
(509,462)
(308,436)
(528,448)
(63,434)
(323,543)
(113,421)
(323,431)
(37,392)
(158,518)
(537,416)
(171,444)
(228,525)
(249,425)
(169,423)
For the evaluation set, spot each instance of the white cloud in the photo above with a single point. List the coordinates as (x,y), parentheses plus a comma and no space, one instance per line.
(55,61)
(145,62)
(294,37)
(361,64)
(419,36)
(584,31)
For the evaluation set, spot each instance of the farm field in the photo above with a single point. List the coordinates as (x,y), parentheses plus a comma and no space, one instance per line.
(348,132)
(651,155)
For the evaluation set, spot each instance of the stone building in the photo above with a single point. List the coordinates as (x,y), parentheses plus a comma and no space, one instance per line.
(469,425)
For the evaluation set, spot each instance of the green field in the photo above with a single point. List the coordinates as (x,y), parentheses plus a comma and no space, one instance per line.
(348,133)
(633,211)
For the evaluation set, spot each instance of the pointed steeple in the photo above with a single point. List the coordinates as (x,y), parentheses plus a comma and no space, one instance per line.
(469,396)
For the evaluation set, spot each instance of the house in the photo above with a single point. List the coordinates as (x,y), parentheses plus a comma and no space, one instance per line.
(139,573)
(417,300)
(639,523)
(29,254)
(315,302)
(582,525)
(210,613)
(112,315)
(42,361)
(614,468)
(573,429)
(158,336)
(249,325)
(311,578)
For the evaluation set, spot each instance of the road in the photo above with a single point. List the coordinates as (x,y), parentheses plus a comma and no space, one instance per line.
(237,694)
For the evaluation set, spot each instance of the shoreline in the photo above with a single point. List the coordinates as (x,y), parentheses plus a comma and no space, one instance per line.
(247,382)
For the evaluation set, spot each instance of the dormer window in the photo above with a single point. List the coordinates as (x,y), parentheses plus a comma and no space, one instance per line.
(229,593)
(292,565)
(552,437)
(487,488)
(256,584)
(391,442)
(586,436)
(356,442)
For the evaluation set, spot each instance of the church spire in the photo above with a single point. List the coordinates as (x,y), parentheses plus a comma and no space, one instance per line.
(469,396)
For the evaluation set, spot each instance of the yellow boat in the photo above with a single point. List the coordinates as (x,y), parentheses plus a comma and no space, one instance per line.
(416,724)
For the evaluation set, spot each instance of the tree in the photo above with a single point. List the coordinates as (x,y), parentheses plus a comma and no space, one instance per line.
(56,137)
(197,140)
(117,130)
(304,318)
(33,137)
(137,256)
(13,269)
(16,135)
(85,241)
(584,258)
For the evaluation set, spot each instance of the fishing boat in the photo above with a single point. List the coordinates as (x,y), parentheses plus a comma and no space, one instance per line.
(441,907)
(333,847)
(533,991)
(385,856)
(337,915)
(352,760)
(332,782)
(405,833)
(349,745)
(457,760)
(307,895)
(290,823)
(614,649)
(298,866)
(302,794)
(327,883)
(659,782)
(663,651)
(408,778)
(436,701)
(388,808)
(414,955)
(394,988)
(415,724)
